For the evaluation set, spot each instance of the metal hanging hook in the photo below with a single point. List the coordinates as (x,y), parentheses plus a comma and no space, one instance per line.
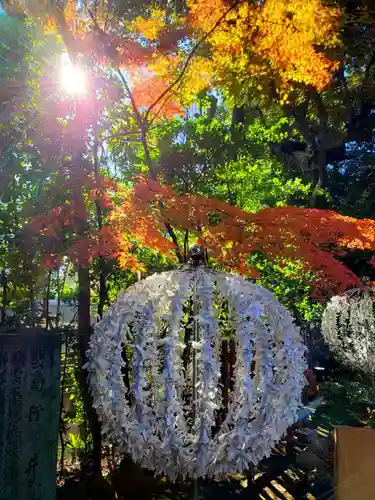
(197,255)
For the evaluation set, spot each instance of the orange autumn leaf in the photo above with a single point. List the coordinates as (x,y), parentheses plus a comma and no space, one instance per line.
(273,39)
(314,237)
(150,27)
(146,91)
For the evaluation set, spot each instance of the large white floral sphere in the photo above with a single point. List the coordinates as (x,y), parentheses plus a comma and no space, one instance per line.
(348,327)
(156,420)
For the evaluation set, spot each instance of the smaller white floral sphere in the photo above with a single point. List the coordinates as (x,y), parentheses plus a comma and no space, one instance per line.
(348,327)
(173,413)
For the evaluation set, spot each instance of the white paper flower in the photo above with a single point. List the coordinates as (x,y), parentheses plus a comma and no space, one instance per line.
(156,420)
(348,326)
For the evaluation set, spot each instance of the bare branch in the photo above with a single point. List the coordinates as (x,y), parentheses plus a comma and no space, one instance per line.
(172,86)
(122,137)
(186,243)
(120,74)
(173,236)
(137,115)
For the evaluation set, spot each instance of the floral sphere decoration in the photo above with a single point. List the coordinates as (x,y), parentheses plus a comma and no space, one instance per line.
(159,379)
(348,327)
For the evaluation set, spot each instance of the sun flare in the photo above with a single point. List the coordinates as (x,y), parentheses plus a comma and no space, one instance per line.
(72,78)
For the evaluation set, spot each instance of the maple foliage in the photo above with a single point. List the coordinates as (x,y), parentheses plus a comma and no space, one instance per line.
(61,229)
(312,236)
(63,221)
(146,90)
(240,44)
(275,39)
(218,44)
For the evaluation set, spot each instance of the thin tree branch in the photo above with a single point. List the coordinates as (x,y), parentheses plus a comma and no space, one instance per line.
(186,242)
(121,137)
(368,68)
(190,57)
(65,32)
(137,115)
(142,123)
(166,99)
(103,35)
(143,140)
(99,215)
(173,236)
(120,134)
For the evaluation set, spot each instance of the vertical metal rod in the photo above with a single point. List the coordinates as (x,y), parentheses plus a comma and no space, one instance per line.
(195,368)
(196,258)
(196,490)
(195,339)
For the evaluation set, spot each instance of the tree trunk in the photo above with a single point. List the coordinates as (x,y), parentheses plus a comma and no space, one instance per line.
(32,305)
(58,306)
(180,7)
(4,296)
(153,175)
(238,115)
(213,108)
(46,306)
(84,330)
(99,216)
(320,164)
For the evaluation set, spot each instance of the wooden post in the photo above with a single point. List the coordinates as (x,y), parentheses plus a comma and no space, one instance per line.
(354,463)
